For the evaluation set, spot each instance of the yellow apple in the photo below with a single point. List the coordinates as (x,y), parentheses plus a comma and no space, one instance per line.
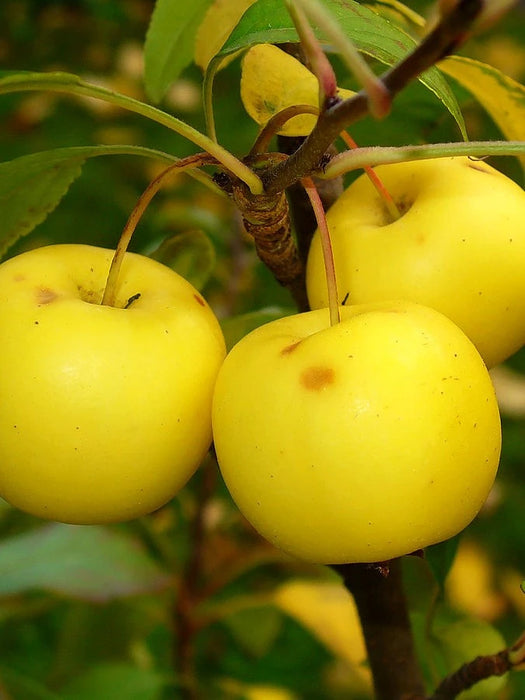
(105,411)
(459,247)
(361,441)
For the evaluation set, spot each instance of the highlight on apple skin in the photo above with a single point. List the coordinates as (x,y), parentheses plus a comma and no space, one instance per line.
(105,412)
(458,247)
(357,442)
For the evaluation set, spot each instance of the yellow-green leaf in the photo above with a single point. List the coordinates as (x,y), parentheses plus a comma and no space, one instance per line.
(502,97)
(268,21)
(273,80)
(247,691)
(219,22)
(328,611)
(397,11)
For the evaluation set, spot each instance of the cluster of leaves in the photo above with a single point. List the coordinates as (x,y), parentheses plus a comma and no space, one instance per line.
(103,612)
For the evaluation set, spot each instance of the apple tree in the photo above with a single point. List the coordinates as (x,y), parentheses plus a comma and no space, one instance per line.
(261,402)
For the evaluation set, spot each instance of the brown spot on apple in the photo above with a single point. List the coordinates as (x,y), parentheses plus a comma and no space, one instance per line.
(44,295)
(199,300)
(19,277)
(290,348)
(317,378)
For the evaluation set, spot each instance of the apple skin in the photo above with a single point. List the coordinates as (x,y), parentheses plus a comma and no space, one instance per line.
(459,247)
(105,412)
(357,442)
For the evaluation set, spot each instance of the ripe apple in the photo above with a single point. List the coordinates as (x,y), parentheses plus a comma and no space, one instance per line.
(105,411)
(459,247)
(361,441)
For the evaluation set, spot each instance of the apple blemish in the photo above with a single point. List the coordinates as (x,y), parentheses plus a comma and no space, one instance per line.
(290,348)
(44,295)
(317,378)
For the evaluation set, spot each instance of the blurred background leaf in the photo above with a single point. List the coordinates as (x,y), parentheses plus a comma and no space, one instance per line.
(109,681)
(191,254)
(91,563)
(170,41)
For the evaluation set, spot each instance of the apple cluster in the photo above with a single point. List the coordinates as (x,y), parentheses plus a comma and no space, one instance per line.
(358,441)
(380,435)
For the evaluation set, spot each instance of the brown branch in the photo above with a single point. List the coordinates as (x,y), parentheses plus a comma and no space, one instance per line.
(451,31)
(469,674)
(267,219)
(481,668)
(188,593)
(380,600)
(302,215)
(266,216)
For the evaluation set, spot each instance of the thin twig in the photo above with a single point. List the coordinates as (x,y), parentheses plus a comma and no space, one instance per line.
(188,594)
(479,669)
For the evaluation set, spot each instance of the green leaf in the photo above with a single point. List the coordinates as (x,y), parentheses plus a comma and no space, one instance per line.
(22,686)
(30,189)
(392,8)
(73,85)
(170,42)
(191,254)
(268,22)
(255,629)
(461,641)
(87,562)
(33,185)
(236,327)
(110,681)
(502,97)
(440,558)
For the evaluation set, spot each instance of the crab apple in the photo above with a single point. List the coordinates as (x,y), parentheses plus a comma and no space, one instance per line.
(105,411)
(458,247)
(361,441)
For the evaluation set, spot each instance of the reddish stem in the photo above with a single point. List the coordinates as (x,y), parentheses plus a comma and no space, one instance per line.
(375,180)
(110,291)
(326,244)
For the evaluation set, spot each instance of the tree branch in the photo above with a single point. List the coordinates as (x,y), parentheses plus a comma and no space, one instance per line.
(380,600)
(479,669)
(451,31)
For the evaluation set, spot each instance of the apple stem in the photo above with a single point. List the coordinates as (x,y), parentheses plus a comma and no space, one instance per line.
(320,65)
(110,291)
(376,181)
(326,244)
(377,94)
(275,124)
